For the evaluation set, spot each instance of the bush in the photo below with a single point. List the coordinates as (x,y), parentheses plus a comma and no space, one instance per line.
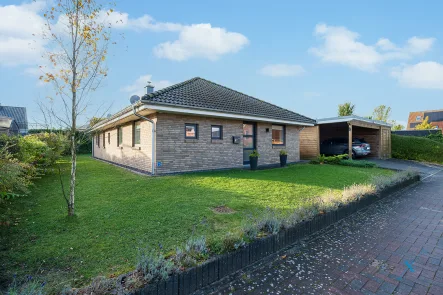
(29,286)
(15,177)
(153,265)
(322,159)
(436,137)
(417,148)
(56,142)
(195,250)
(32,151)
(359,163)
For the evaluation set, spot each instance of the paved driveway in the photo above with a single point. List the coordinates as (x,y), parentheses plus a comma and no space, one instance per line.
(424,169)
(394,246)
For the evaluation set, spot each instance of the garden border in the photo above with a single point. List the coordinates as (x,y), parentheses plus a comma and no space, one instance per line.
(221,266)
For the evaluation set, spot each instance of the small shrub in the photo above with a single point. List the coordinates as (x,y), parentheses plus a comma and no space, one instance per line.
(232,242)
(270,222)
(359,163)
(283,153)
(195,250)
(250,229)
(153,266)
(15,177)
(28,286)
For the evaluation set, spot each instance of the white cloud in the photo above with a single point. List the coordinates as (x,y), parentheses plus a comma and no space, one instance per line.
(341,46)
(282,70)
(138,87)
(427,75)
(201,40)
(20,29)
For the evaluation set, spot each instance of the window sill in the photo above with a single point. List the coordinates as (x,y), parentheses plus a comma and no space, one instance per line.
(217,141)
(136,148)
(191,140)
(278,146)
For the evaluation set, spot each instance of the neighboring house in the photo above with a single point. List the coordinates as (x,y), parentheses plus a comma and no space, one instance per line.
(416,118)
(19,119)
(199,125)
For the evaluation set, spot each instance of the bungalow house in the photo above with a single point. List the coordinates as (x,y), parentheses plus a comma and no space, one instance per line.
(197,125)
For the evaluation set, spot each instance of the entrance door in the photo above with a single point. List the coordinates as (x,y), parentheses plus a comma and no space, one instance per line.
(249,134)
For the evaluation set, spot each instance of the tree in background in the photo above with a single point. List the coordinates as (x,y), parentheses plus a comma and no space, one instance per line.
(396,127)
(425,125)
(381,113)
(78,38)
(346,109)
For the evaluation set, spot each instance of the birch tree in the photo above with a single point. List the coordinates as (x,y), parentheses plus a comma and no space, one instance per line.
(78,34)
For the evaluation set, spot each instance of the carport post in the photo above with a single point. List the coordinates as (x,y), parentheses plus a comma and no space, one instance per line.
(350,141)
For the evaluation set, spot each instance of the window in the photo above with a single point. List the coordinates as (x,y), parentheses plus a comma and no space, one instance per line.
(119,136)
(97,139)
(216,132)
(104,140)
(278,134)
(135,133)
(109,138)
(191,131)
(418,118)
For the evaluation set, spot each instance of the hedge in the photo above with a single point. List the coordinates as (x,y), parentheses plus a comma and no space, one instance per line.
(417,148)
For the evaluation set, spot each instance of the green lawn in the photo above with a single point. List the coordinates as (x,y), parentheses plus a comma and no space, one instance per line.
(118,211)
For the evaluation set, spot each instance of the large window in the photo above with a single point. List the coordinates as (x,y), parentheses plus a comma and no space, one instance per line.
(191,131)
(109,138)
(136,133)
(216,132)
(97,140)
(119,136)
(104,140)
(278,134)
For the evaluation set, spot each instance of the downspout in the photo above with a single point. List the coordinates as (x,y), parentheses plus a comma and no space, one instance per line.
(153,138)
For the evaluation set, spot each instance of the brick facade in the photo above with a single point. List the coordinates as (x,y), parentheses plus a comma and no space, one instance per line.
(178,154)
(174,153)
(137,157)
(270,154)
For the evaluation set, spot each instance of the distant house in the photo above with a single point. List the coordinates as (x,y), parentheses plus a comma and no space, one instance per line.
(416,118)
(17,118)
(198,125)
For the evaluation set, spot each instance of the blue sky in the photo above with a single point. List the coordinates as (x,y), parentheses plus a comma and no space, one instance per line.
(307,57)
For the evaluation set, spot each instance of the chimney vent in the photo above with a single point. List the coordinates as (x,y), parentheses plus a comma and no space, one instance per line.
(149,88)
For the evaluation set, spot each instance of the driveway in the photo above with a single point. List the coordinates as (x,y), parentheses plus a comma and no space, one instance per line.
(396,164)
(394,246)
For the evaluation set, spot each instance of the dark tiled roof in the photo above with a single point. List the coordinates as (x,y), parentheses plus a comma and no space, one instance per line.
(203,94)
(18,114)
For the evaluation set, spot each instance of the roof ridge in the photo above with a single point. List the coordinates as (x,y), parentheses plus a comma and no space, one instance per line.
(263,101)
(169,88)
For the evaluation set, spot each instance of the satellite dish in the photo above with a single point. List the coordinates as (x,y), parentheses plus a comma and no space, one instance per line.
(134,99)
(109,116)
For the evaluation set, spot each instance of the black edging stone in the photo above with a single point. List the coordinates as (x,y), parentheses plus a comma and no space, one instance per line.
(211,271)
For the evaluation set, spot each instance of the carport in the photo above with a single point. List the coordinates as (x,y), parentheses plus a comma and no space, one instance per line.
(376,133)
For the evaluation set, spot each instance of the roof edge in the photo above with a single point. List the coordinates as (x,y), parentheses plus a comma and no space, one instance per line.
(350,118)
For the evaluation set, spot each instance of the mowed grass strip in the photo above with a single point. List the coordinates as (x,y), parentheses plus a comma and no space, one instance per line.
(118,211)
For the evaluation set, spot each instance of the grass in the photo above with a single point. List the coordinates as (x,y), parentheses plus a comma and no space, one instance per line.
(417,148)
(118,211)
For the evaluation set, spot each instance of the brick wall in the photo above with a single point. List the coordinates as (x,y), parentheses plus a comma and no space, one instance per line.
(178,154)
(138,157)
(270,154)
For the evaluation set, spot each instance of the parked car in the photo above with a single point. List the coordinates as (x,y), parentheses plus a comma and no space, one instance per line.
(339,146)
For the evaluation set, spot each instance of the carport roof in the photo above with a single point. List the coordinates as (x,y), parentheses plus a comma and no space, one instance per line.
(351,118)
